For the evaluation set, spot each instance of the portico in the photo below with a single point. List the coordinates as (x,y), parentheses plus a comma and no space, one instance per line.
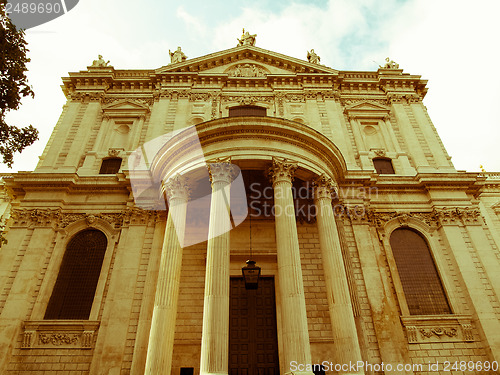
(258,144)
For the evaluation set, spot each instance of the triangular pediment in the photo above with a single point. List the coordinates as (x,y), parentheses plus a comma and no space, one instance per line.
(366,105)
(246,61)
(367,109)
(125,108)
(125,104)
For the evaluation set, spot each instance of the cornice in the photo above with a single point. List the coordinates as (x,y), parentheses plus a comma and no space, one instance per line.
(295,72)
(29,181)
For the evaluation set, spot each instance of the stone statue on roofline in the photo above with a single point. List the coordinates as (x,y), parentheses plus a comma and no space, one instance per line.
(177,56)
(389,64)
(100,63)
(247,39)
(312,57)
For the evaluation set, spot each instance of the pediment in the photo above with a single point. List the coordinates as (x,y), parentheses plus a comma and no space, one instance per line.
(125,104)
(367,108)
(250,60)
(125,108)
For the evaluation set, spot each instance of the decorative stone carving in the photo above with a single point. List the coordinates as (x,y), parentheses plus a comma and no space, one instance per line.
(247,39)
(221,169)
(248,99)
(100,63)
(320,95)
(177,187)
(35,217)
(177,56)
(456,215)
(379,151)
(295,98)
(279,99)
(58,339)
(90,219)
(247,70)
(137,216)
(86,338)
(87,96)
(115,151)
(60,334)
(411,332)
(175,94)
(281,170)
(393,98)
(199,96)
(57,218)
(312,57)
(215,104)
(324,187)
(441,216)
(28,339)
(438,328)
(438,331)
(467,331)
(114,219)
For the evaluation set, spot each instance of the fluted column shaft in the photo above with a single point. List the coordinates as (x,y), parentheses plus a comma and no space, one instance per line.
(339,302)
(215,336)
(161,336)
(295,334)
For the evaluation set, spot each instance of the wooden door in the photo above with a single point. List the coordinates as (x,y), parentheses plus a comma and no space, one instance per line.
(253,342)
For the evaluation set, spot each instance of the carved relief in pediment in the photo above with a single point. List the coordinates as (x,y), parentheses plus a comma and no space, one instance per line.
(247,70)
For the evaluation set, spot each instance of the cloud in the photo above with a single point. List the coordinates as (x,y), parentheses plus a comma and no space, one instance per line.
(194,25)
(451,43)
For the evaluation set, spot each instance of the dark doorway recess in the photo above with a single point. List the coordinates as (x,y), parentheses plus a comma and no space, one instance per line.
(253,340)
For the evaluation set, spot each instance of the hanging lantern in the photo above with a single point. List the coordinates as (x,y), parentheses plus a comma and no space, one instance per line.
(251,274)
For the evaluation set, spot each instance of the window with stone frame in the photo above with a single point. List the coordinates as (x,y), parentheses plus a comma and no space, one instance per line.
(422,286)
(76,283)
(110,165)
(247,110)
(383,165)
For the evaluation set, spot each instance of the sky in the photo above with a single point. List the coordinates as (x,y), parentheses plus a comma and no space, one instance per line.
(452,44)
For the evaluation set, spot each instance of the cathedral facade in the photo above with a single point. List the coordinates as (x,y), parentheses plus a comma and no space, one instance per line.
(125,246)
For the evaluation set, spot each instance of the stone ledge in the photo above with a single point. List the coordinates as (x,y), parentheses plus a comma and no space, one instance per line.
(438,328)
(59,334)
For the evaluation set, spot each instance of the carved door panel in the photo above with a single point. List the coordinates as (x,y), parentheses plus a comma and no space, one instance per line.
(253,343)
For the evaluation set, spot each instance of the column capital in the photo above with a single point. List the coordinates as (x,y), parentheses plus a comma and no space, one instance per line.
(324,187)
(177,188)
(281,170)
(221,170)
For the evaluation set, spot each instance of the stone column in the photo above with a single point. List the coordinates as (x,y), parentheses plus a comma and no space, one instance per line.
(344,330)
(161,336)
(215,336)
(295,334)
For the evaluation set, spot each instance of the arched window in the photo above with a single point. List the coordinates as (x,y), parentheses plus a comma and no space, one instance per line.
(76,282)
(383,165)
(247,110)
(110,165)
(422,286)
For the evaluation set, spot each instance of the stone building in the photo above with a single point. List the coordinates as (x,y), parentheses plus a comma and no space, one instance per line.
(374,250)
